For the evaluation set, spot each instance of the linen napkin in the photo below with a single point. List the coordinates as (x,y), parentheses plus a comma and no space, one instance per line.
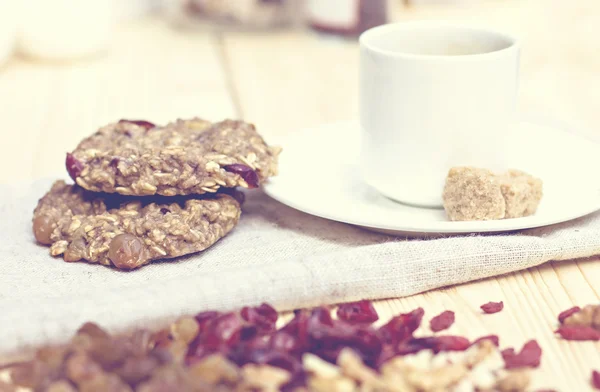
(275,254)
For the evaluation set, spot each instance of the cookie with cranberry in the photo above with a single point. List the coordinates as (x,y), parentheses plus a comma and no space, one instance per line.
(128,232)
(184,157)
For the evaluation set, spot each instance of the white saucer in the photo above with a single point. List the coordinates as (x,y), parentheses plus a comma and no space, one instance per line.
(319,175)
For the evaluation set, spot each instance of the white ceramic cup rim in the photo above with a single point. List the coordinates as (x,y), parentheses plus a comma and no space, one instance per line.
(366,39)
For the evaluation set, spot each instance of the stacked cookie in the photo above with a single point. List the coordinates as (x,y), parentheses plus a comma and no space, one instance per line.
(146,192)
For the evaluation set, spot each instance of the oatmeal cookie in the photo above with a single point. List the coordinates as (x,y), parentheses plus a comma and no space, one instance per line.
(129,232)
(184,157)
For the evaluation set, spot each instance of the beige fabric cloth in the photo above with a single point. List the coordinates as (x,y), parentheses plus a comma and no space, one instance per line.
(276,254)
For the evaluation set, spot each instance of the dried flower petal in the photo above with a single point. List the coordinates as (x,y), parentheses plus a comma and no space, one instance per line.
(492,307)
(578,333)
(566,313)
(442,321)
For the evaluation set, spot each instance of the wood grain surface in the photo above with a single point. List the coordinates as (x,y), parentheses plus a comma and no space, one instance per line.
(290,80)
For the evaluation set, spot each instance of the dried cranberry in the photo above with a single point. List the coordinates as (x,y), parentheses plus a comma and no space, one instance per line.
(204,317)
(578,333)
(442,321)
(249,332)
(135,370)
(530,356)
(283,341)
(264,317)
(596,379)
(161,338)
(401,327)
(217,333)
(74,166)
(408,347)
(246,172)
(358,312)
(327,337)
(442,343)
(566,313)
(492,307)
(494,339)
(225,329)
(140,123)
(387,352)
(277,359)
(298,328)
(245,351)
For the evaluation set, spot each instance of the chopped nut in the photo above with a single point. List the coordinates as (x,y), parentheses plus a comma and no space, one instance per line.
(104,382)
(61,386)
(177,349)
(589,316)
(5,387)
(437,379)
(215,369)
(484,351)
(319,367)
(339,384)
(81,368)
(395,380)
(185,329)
(353,367)
(266,378)
(30,374)
(514,381)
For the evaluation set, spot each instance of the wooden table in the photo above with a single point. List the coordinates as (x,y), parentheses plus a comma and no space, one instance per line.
(289,80)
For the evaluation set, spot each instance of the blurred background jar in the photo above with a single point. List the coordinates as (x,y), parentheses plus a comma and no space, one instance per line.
(232,14)
(348,18)
(64,29)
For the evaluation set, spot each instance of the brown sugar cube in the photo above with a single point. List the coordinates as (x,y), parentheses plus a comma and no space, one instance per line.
(473,194)
(522,193)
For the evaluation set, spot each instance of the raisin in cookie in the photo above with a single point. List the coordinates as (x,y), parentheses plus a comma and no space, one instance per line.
(125,232)
(185,157)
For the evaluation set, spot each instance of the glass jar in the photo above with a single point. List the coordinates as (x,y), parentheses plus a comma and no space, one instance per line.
(348,18)
(231,14)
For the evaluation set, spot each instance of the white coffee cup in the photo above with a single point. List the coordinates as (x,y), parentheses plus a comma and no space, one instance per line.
(433,95)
